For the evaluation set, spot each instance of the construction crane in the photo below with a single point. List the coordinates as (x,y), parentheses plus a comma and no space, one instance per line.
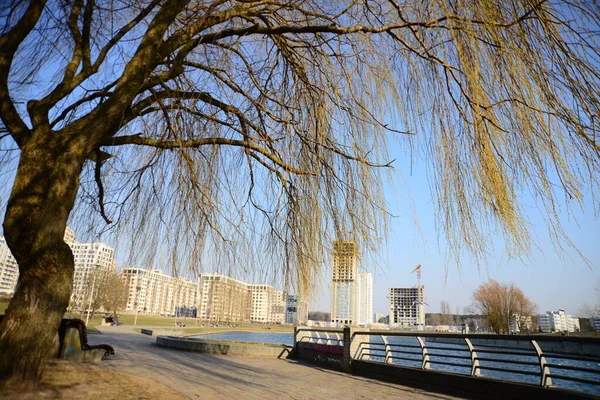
(420,298)
(418,271)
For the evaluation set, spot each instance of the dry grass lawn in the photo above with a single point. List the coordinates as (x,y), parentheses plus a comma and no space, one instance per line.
(67,380)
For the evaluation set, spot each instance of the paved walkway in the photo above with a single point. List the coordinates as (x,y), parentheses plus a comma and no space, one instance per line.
(206,376)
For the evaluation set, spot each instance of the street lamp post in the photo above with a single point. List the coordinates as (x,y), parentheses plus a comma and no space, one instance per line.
(137,311)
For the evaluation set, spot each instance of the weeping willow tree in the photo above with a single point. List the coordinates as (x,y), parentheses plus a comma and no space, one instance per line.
(242,127)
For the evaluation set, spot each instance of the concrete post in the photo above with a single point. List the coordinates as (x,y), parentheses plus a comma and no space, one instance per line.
(295,334)
(347,359)
(355,348)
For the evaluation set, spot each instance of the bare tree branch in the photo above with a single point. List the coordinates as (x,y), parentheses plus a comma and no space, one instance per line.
(182,144)
(9,42)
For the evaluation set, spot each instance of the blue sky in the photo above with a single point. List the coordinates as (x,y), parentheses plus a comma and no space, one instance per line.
(549,278)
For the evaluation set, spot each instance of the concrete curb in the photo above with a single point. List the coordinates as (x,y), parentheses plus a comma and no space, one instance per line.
(231,349)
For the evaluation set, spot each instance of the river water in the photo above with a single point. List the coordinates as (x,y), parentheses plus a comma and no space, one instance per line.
(444,355)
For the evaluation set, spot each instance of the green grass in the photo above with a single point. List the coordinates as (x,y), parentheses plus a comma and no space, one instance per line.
(193,326)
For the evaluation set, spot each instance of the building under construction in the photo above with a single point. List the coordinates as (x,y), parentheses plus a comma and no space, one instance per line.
(407,306)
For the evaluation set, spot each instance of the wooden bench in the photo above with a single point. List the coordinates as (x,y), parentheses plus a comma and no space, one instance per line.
(79,325)
(73,343)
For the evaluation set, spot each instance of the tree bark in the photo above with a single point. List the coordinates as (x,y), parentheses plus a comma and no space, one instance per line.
(42,197)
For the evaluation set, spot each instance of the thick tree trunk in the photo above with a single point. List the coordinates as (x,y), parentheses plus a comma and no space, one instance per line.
(42,197)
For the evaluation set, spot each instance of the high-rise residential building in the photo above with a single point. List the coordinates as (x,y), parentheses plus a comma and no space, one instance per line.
(184,294)
(154,292)
(296,310)
(344,282)
(278,299)
(260,306)
(216,298)
(90,259)
(557,321)
(267,305)
(364,303)
(9,270)
(407,306)
(223,299)
(69,235)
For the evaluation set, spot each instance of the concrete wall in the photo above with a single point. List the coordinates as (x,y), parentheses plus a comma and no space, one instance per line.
(329,356)
(163,332)
(233,349)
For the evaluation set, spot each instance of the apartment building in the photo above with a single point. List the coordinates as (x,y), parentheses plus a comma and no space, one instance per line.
(296,310)
(364,304)
(185,293)
(267,304)
(278,300)
(90,259)
(558,321)
(9,270)
(69,236)
(154,292)
(344,282)
(223,299)
(216,298)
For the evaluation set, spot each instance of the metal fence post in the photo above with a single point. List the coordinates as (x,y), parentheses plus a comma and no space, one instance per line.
(425,363)
(474,360)
(545,380)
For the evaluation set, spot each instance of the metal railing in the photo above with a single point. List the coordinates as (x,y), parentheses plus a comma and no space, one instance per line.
(510,358)
(549,361)
(329,336)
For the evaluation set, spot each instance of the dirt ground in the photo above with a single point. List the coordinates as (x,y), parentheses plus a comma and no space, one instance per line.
(68,380)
